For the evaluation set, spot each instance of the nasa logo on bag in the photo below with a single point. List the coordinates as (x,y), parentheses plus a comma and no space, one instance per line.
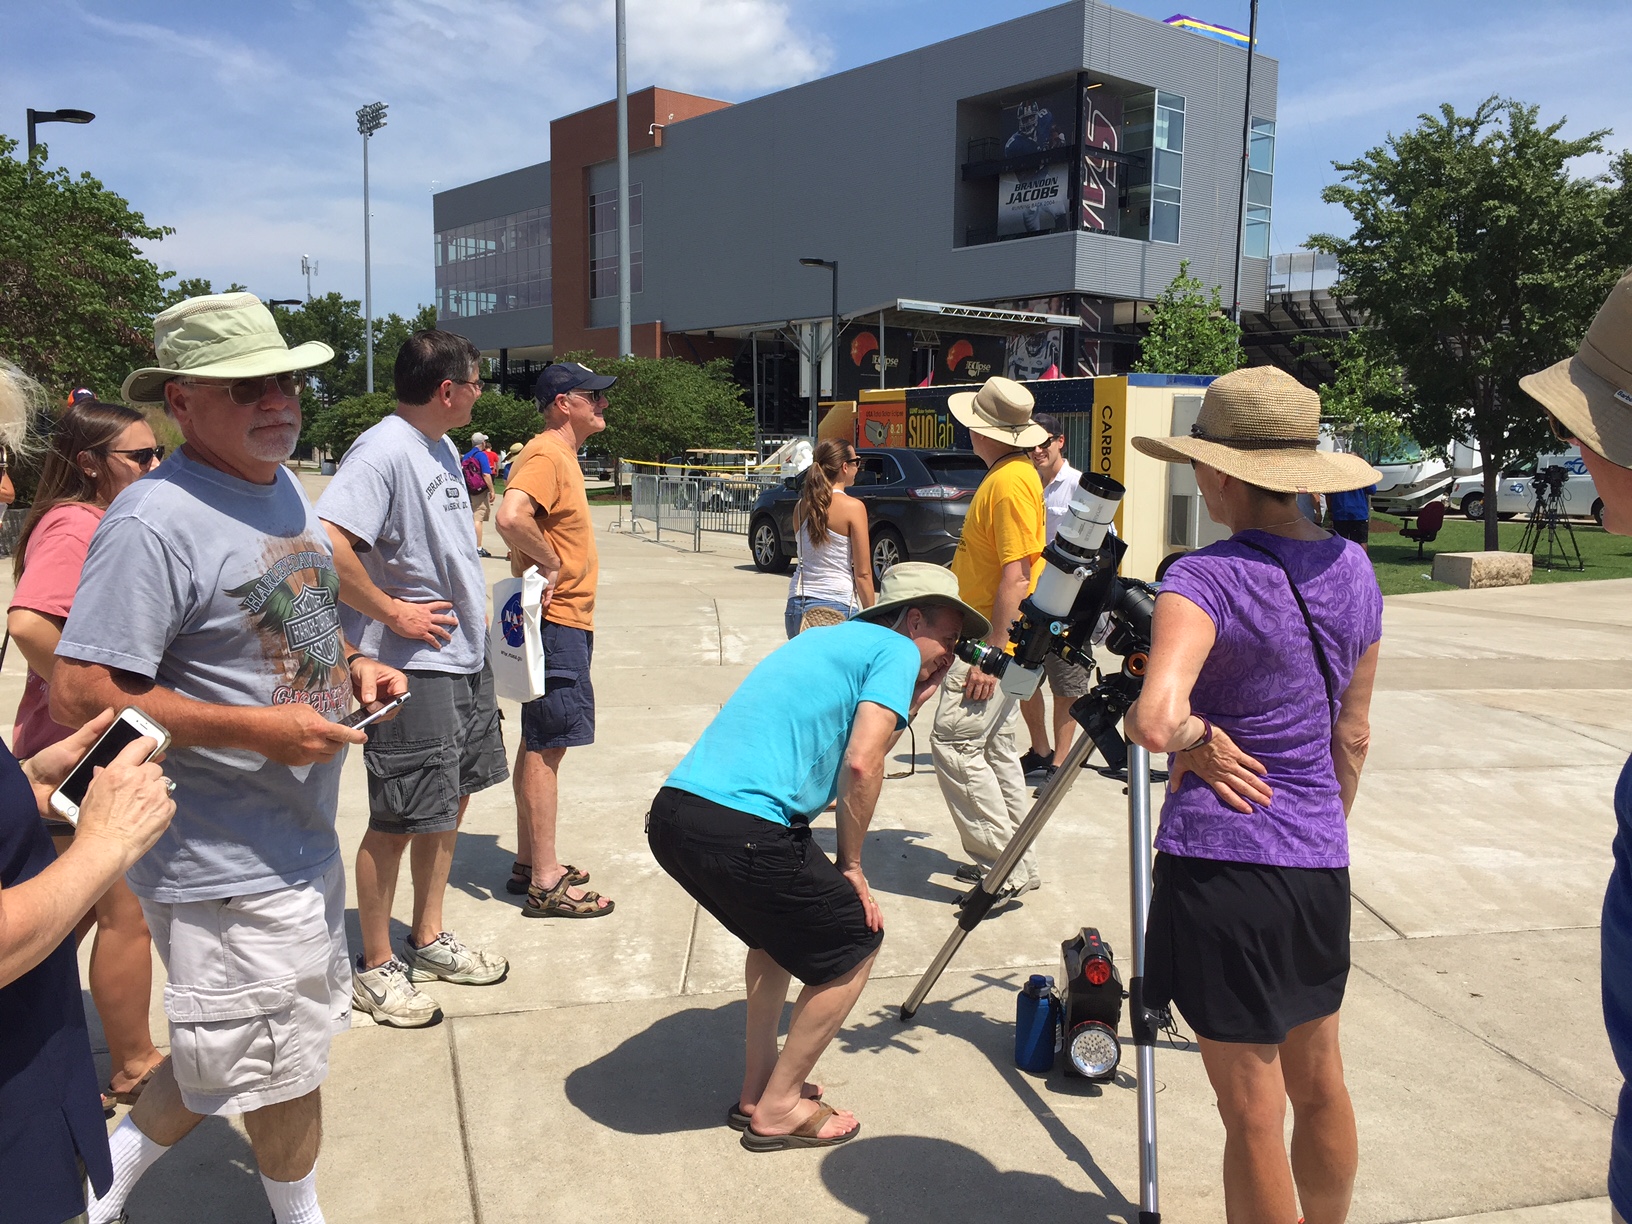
(511,623)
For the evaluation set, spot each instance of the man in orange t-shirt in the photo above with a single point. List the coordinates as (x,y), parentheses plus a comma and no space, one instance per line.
(544,518)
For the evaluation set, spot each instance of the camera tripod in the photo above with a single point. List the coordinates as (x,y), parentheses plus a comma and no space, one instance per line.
(1545,518)
(1098,714)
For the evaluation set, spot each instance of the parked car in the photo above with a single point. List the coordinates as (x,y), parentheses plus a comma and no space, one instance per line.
(915,499)
(1516,493)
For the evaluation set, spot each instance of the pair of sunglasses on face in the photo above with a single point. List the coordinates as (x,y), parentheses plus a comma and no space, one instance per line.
(142,456)
(247,392)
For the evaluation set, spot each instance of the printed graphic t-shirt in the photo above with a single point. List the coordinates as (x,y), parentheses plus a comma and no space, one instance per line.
(1004,523)
(225,592)
(774,751)
(404,498)
(547,471)
(51,567)
(1262,684)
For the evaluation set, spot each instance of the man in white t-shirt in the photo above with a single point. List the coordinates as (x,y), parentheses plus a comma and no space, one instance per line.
(1066,681)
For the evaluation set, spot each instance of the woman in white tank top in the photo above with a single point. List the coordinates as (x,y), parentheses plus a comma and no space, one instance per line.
(835,555)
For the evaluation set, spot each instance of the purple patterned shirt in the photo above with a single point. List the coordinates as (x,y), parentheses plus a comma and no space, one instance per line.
(1262,684)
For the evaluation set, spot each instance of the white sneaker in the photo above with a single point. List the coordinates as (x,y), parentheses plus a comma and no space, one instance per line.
(390,997)
(445,957)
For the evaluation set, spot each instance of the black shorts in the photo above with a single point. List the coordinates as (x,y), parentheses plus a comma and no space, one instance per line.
(1352,529)
(1247,952)
(769,885)
(565,716)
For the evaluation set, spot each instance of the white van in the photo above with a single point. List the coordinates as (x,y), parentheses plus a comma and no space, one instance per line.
(1516,494)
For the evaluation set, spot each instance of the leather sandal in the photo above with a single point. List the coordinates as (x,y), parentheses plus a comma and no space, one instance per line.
(521,877)
(807,1135)
(129,1095)
(738,1121)
(554,902)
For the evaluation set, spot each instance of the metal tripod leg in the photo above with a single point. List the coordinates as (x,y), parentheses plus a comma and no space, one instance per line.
(1143,1023)
(980,900)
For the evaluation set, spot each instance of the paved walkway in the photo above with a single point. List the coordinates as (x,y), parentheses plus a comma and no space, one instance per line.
(593,1082)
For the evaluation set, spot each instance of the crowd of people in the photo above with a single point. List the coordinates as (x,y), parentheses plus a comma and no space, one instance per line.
(204,588)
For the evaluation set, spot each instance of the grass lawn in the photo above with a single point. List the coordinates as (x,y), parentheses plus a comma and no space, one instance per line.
(1400,573)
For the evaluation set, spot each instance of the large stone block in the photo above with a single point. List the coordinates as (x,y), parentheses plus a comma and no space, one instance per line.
(1482,569)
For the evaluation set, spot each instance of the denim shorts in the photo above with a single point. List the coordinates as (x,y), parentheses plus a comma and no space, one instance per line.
(565,716)
(798,605)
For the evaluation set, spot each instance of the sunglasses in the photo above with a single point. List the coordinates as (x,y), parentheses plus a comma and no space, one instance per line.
(852,458)
(1559,430)
(247,392)
(143,455)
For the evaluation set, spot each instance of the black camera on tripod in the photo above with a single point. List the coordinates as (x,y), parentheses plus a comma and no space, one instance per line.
(1549,481)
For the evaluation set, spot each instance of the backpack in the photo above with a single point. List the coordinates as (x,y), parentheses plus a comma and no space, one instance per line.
(475,478)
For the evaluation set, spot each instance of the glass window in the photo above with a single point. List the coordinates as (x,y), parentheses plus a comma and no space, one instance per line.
(1260,189)
(1169,168)
(1262,150)
(603,242)
(499,264)
(1169,129)
(1164,222)
(1257,241)
(1153,130)
(965,472)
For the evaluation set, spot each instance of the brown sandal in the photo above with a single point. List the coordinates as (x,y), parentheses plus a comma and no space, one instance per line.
(807,1135)
(521,877)
(129,1095)
(554,902)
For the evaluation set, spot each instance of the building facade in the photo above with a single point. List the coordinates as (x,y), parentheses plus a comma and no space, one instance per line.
(1061,164)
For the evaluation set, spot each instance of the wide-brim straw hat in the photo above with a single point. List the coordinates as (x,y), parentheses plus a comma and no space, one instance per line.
(1001,409)
(918,582)
(1262,426)
(1591,393)
(219,335)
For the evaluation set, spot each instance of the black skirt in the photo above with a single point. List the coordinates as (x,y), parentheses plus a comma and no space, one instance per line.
(1247,952)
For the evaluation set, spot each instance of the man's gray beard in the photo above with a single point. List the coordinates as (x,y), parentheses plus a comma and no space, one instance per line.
(260,443)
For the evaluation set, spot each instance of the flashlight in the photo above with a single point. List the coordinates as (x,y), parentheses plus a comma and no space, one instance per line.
(1093,1006)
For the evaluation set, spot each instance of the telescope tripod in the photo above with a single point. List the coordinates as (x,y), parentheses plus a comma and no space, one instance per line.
(1097,714)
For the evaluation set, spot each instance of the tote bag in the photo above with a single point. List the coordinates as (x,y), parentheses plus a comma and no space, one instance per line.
(515,640)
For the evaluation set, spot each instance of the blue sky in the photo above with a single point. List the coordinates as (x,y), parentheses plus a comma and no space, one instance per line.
(233,122)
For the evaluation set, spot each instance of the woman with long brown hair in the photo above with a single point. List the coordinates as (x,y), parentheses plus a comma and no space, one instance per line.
(96,450)
(835,556)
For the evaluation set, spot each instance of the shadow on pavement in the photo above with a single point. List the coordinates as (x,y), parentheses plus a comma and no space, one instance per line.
(209,1175)
(898,862)
(690,1064)
(480,867)
(903,1179)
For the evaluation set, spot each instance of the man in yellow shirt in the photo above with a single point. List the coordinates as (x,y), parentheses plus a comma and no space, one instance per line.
(977,757)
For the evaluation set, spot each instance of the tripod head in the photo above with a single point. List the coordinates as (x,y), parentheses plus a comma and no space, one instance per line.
(1549,482)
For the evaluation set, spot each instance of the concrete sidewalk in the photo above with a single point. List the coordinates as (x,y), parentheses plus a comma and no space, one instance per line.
(594,1081)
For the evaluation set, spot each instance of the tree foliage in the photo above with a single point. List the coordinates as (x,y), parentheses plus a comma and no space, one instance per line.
(660,406)
(505,420)
(77,297)
(1366,400)
(1189,331)
(334,427)
(1478,257)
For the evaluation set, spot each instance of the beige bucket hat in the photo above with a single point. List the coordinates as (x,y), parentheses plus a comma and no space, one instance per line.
(1591,393)
(1001,409)
(919,582)
(219,335)
(1262,425)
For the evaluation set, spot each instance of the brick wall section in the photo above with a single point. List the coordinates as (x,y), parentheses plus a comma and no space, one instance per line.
(577,142)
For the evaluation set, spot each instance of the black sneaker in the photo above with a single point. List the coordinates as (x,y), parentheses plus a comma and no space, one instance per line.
(1034,764)
(1041,780)
(968,873)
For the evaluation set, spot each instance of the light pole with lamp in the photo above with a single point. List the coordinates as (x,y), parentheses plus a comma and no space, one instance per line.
(832,265)
(308,269)
(56,116)
(370,119)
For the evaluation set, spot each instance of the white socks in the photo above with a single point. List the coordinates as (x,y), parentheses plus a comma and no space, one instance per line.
(133,1154)
(294,1202)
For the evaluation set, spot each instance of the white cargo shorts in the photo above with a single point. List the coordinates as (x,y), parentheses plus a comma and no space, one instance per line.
(258,987)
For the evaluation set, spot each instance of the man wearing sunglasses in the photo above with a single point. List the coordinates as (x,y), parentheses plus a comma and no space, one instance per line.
(1588,399)
(210,600)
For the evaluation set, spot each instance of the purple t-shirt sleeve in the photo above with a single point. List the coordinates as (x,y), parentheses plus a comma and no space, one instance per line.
(1197,582)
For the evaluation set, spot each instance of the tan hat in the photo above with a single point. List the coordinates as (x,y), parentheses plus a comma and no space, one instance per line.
(919,582)
(1001,409)
(1262,426)
(1591,393)
(220,335)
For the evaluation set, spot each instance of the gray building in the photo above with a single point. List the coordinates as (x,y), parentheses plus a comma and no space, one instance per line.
(1060,164)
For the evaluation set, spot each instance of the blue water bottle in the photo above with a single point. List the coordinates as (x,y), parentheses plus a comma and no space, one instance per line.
(1035,1020)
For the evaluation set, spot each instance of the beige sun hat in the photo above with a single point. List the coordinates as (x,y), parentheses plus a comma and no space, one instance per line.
(219,335)
(918,582)
(1001,409)
(1262,426)
(1591,393)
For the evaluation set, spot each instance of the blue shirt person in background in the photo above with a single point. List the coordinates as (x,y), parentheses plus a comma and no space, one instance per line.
(1351,514)
(811,724)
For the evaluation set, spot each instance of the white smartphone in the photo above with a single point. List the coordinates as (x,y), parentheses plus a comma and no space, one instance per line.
(130,726)
(361,717)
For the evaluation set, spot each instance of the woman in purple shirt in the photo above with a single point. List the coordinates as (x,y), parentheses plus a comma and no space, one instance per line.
(1263,653)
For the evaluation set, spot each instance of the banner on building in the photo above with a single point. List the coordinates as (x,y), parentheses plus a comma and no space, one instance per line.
(1035,202)
(1101,129)
(860,358)
(1036,198)
(969,359)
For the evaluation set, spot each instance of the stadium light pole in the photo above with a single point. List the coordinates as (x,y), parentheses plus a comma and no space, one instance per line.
(1246,154)
(308,269)
(370,119)
(832,265)
(56,116)
(625,338)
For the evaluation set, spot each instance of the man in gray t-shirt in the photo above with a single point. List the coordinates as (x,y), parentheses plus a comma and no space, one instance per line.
(209,599)
(398,514)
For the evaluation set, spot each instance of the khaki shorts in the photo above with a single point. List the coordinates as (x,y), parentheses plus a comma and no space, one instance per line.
(479,505)
(1067,680)
(258,987)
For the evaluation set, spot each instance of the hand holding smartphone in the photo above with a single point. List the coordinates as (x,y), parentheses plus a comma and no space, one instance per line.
(130,726)
(360,718)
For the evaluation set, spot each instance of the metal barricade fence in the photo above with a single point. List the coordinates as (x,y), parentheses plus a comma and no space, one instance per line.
(691,505)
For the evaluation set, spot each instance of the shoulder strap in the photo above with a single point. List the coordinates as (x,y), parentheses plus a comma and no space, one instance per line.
(1314,638)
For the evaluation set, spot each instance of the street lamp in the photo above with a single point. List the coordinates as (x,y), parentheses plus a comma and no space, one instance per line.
(370,119)
(56,116)
(832,265)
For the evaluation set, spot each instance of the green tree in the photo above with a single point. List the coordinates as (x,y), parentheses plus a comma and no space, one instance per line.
(1366,399)
(1478,257)
(334,427)
(505,419)
(338,322)
(1189,331)
(662,405)
(77,297)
